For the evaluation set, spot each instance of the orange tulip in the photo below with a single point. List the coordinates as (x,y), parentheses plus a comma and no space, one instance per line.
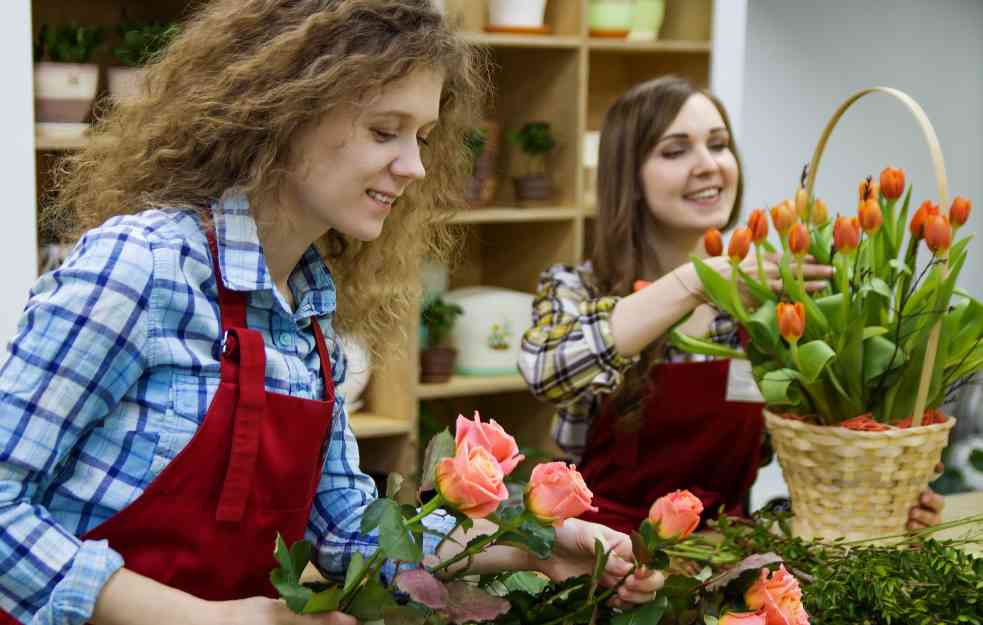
(868,189)
(892,182)
(740,243)
(846,234)
(791,320)
(926,210)
(798,239)
(639,285)
(870,216)
(783,216)
(959,211)
(802,204)
(819,213)
(757,221)
(713,243)
(938,233)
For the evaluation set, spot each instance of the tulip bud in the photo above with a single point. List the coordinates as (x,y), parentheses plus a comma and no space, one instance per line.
(868,189)
(846,234)
(783,216)
(892,182)
(798,239)
(870,216)
(758,223)
(938,233)
(713,243)
(791,320)
(819,213)
(926,210)
(639,285)
(959,211)
(802,204)
(740,243)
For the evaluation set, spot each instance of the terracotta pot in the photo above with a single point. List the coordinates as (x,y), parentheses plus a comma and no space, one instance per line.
(484,182)
(535,188)
(125,82)
(63,92)
(437,364)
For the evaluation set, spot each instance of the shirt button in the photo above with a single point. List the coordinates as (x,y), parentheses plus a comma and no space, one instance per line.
(285,340)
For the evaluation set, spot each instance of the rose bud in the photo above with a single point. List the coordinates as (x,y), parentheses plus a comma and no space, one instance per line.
(924,211)
(819,213)
(798,239)
(870,216)
(757,221)
(676,515)
(846,234)
(713,243)
(783,216)
(779,596)
(802,204)
(892,183)
(740,243)
(868,189)
(938,234)
(492,437)
(959,211)
(743,618)
(472,481)
(557,492)
(791,320)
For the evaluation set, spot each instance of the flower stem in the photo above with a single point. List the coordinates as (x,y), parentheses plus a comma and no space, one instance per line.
(473,549)
(425,510)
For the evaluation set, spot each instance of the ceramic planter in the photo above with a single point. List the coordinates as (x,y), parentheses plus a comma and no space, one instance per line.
(535,188)
(437,364)
(610,18)
(64,92)
(516,14)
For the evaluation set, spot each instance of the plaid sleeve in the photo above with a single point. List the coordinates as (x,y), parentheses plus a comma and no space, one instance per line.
(81,344)
(569,351)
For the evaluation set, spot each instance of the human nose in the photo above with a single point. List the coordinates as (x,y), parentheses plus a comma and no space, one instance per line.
(409,162)
(705,161)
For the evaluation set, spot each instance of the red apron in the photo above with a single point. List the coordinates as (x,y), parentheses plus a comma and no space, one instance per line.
(686,435)
(208,523)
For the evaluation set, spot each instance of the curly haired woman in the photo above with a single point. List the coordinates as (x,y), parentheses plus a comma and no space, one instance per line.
(168,402)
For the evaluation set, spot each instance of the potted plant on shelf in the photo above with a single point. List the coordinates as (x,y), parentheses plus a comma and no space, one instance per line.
(65,86)
(535,140)
(482,143)
(517,16)
(139,42)
(854,376)
(437,360)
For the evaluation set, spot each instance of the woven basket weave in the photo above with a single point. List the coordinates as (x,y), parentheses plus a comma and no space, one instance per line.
(850,484)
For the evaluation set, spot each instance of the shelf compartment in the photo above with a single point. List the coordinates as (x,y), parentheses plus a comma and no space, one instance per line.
(52,137)
(650,47)
(496,40)
(366,425)
(463,386)
(507,214)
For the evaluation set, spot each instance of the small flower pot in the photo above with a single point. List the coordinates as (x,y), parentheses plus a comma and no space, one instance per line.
(484,181)
(610,18)
(125,82)
(535,188)
(64,92)
(437,364)
(516,15)
(647,19)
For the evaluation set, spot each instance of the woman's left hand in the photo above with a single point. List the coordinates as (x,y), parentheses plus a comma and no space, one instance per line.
(573,554)
(928,510)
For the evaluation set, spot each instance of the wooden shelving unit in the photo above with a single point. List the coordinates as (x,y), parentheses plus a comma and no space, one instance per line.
(566,78)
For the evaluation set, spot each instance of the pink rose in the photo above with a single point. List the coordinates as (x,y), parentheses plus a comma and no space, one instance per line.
(492,437)
(743,618)
(557,492)
(676,515)
(779,596)
(472,481)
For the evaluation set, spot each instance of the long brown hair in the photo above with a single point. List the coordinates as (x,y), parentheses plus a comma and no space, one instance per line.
(632,127)
(224,102)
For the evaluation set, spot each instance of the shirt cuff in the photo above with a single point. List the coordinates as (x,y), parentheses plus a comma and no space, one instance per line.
(598,314)
(74,598)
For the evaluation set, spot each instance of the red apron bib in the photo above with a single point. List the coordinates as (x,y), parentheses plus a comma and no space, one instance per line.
(686,436)
(208,523)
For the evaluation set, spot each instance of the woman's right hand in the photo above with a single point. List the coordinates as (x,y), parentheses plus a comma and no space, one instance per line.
(266,611)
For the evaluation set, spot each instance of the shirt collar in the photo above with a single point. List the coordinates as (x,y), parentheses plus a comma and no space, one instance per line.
(243,265)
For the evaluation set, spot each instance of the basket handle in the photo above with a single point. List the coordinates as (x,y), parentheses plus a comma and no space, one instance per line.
(942,184)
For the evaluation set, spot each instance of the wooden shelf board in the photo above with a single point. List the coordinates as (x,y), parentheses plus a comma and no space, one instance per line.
(462,386)
(506,214)
(367,425)
(640,47)
(54,144)
(504,40)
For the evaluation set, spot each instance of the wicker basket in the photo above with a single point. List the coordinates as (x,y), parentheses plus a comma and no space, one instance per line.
(845,483)
(853,484)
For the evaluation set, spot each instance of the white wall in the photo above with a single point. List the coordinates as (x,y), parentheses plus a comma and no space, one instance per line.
(804,58)
(18,238)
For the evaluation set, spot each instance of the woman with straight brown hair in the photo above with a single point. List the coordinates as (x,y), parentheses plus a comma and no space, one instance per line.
(641,417)
(168,404)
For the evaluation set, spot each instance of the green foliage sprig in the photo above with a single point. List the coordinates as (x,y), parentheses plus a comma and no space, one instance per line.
(439,317)
(68,43)
(140,41)
(536,140)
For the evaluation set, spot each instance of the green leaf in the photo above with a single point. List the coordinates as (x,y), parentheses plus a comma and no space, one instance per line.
(324,601)
(762,327)
(813,358)
(899,266)
(525,581)
(705,347)
(600,561)
(780,388)
(761,292)
(531,536)
(395,540)
(872,331)
(404,615)
(680,591)
(371,601)
(440,446)
(880,356)
(720,290)
(832,307)
(295,595)
(647,614)
(976,459)
(393,485)
(356,566)
(373,514)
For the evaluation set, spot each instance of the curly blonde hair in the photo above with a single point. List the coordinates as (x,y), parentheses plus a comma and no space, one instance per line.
(225,100)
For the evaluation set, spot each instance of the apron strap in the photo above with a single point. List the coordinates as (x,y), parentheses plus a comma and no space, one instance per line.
(249,411)
(231,304)
(322,351)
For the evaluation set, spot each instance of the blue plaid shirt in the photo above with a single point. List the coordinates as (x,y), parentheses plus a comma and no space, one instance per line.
(109,376)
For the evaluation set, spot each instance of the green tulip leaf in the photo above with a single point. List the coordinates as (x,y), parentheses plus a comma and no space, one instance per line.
(781,388)
(881,356)
(720,290)
(813,358)
(705,347)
